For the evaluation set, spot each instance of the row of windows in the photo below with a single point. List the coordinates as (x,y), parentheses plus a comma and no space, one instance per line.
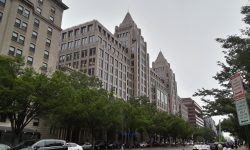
(123,35)
(21,24)
(21,39)
(77,32)
(52,10)
(76,55)
(22,11)
(78,43)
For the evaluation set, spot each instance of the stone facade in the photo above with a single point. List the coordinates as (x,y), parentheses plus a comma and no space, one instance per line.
(31,29)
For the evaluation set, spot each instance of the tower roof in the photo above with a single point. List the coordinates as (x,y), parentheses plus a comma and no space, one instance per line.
(160,57)
(128,19)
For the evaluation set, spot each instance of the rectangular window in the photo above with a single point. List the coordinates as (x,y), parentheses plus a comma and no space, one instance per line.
(92,51)
(24,26)
(1,16)
(11,51)
(20,9)
(45,66)
(84,53)
(26,13)
(21,39)
(90,27)
(17,23)
(32,47)
(14,36)
(53,10)
(48,42)
(50,30)
(92,39)
(39,10)
(36,23)
(83,29)
(34,35)
(76,55)
(30,60)
(46,55)
(19,53)
(84,40)
(51,18)
(2,2)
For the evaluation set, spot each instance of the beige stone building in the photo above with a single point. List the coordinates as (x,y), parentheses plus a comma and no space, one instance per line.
(162,68)
(31,29)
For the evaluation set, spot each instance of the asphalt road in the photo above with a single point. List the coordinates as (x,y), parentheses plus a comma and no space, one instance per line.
(162,148)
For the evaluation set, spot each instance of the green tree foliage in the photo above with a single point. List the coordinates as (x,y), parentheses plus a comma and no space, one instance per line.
(237,59)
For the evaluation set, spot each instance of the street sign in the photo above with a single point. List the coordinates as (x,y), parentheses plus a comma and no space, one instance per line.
(238,90)
(242,112)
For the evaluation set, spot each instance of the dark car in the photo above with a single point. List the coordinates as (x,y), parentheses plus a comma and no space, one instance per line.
(48,144)
(24,144)
(100,145)
(114,145)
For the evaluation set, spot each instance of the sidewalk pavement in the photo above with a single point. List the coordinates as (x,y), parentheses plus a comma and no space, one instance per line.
(243,148)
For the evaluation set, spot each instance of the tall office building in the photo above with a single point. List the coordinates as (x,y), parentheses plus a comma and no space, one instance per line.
(162,69)
(131,37)
(91,48)
(194,112)
(31,29)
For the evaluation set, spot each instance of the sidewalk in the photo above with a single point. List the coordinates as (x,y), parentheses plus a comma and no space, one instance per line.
(242,148)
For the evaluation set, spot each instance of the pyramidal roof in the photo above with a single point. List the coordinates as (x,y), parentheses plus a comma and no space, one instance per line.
(128,19)
(160,57)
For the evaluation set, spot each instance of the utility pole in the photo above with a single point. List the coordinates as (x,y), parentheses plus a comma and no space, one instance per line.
(219,131)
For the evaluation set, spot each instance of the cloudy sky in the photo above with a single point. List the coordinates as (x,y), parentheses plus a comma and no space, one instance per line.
(184,30)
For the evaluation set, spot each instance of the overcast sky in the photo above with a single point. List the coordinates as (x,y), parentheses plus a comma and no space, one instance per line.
(184,30)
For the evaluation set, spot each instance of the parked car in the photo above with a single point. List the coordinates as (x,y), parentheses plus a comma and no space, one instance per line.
(24,144)
(4,147)
(100,145)
(114,145)
(48,144)
(87,145)
(74,146)
(143,144)
(203,147)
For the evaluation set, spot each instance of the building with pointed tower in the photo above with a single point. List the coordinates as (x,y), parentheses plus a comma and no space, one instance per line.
(162,68)
(131,37)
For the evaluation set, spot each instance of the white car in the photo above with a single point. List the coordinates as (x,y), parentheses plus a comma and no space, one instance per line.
(143,144)
(203,147)
(87,146)
(74,146)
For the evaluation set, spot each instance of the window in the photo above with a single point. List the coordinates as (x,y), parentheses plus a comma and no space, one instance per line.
(76,32)
(32,47)
(21,39)
(36,23)
(92,51)
(76,55)
(53,10)
(1,16)
(30,60)
(64,35)
(40,1)
(92,39)
(50,30)
(46,55)
(48,42)
(34,35)
(84,40)
(26,13)
(20,9)
(35,122)
(83,29)
(18,23)
(14,36)
(39,10)
(84,53)
(90,27)
(2,2)
(24,26)
(19,53)
(51,18)
(11,51)
(77,43)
